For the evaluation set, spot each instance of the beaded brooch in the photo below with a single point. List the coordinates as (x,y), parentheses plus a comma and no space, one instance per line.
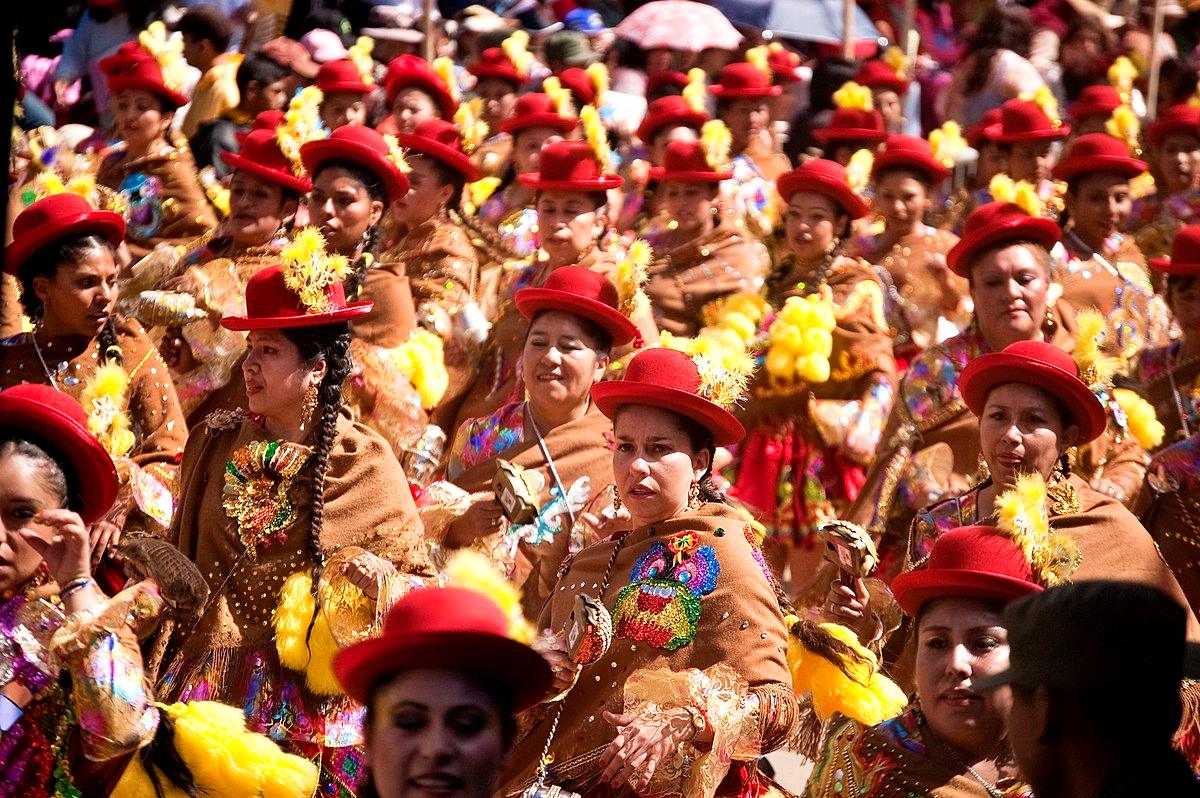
(257,480)
(661,605)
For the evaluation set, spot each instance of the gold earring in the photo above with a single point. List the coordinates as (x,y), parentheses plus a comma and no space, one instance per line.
(694,496)
(616,498)
(982,472)
(1061,495)
(1049,324)
(309,405)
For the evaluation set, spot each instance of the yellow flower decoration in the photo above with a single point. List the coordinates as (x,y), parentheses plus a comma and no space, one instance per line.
(1024,516)
(630,277)
(444,69)
(396,153)
(1044,99)
(167,49)
(896,59)
(1142,186)
(309,271)
(741,313)
(301,124)
(722,361)
(104,398)
(1124,124)
(1019,192)
(801,339)
(1096,369)
(360,55)
(472,130)
(695,93)
(473,571)
(759,58)
(854,96)
(596,136)
(947,143)
(717,142)
(478,193)
(516,49)
(1121,74)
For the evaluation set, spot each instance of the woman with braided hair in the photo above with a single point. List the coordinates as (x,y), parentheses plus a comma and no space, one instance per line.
(300,519)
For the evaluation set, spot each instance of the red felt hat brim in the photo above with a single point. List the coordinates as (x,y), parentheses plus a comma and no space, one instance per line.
(930,167)
(95,474)
(962,255)
(1176,269)
(1087,164)
(534,180)
(825,135)
(505,73)
(354,310)
(532,300)
(1050,134)
(611,396)
(314,153)
(106,223)
(451,157)
(660,173)
(521,670)
(562,124)
(287,180)
(172,98)
(914,589)
(650,126)
(1157,131)
(836,190)
(350,86)
(983,374)
(727,93)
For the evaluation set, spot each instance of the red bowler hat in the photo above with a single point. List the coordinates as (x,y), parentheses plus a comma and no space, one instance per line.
(878,75)
(669,111)
(853,124)
(977,562)
(743,79)
(579,82)
(569,166)
(784,64)
(1095,100)
(666,78)
(271,305)
(1023,120)
(341,75)
(1176,119)
(912,152)
(1097,152)
(985,129)
(446,628)
(268,120)
(585,293)
(493,63)
(53,418)
(260,156)
(412,70)
(685,162)
(439,139)
(1185,254)
(361,145)
(133,67)
(54,217)
(993,224)
(824,177)
(669,379)
(1043,366)
(537,110)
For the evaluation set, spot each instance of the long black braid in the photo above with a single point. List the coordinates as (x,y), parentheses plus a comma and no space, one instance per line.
(377,191)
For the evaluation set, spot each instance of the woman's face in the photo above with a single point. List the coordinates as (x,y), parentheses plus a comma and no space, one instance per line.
(140,118)
(276,378)
(1031,160)
(427,195)
(434,734)
(746,117)
(1100,205)
(902,201)
(959,642)
(1178,160)
(1021,431)
(653,463)
(569,223)
(24,493)
(340,205)
(527,147)
(343,108)
(1185,308)
(412,107)
(991,162)
(813,221)
(80,297)
(891,108)
(1009,287)
(257,209)
(499,98)
(560,363)
(659,59)
(692,205)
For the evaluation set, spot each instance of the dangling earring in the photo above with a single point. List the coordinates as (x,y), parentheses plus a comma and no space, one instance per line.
(1060,493)
(982,472)
(694,496)
(616,498)
(1049,324)
(309,405)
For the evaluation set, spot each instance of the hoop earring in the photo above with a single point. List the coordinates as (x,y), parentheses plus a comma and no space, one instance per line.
(309,405)
(616,498)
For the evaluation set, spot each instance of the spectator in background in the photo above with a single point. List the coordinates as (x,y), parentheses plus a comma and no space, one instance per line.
(104,26)
(996,67)
(206,34)
(1087,50)
(262,86)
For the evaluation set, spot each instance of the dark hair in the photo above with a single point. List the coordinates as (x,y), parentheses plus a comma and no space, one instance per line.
(446,175)
(601,338)
(992,606)
(829,75)
(206,23)
(906,171)
(1155,711)
(45,263)
(1178,282)
(377,191)
(54,477)
(257,68)
(1004,28)
(1039,252)
(599,199)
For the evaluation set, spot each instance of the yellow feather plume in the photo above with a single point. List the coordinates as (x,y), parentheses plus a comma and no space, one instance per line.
(717,142)
(301,124)
(444,69)
(308,270)
(478,193)
(724,365)
(472,570)
(759,58)
(947,143)
(1142,186)
(854,96)
(630,277)
(1124,124)
(1044,99)
(598,72)
(564,104)
(396,153)
(422,359)
(360,55)
(319,675)
(472,129)
(1021,193)
(896,59)
(167,49)
(1095,368)
(695,93)
(1121,74)
(1023,515)
(1141,419)
(596,136)
(850,685)
(516,49)
(858,170)
(104,398)
(293,615)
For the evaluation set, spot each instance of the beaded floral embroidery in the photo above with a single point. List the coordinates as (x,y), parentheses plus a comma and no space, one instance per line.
(661,605)
(257,480)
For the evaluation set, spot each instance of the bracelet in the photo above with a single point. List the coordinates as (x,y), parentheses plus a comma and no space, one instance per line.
(74,586)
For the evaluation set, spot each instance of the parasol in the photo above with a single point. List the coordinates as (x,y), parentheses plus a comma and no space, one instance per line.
(803,20)
(679,25)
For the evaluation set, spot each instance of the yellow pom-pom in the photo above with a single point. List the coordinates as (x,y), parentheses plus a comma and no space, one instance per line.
(780,363)
(717,142)
(1044,99)
(896,59)
(289,776)
(1143,423)
(759,57)
(1095,368)
(1122,73)
(854,96)
(319,674)
(695,93)
(858,170)
(293,615)
(947,143)
(444,68)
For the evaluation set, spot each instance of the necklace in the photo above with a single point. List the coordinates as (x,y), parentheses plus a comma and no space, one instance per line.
(992,789)
(1186,427)
(38,350)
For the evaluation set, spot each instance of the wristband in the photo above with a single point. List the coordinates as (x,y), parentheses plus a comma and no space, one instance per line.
(10,713)
(75,585)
